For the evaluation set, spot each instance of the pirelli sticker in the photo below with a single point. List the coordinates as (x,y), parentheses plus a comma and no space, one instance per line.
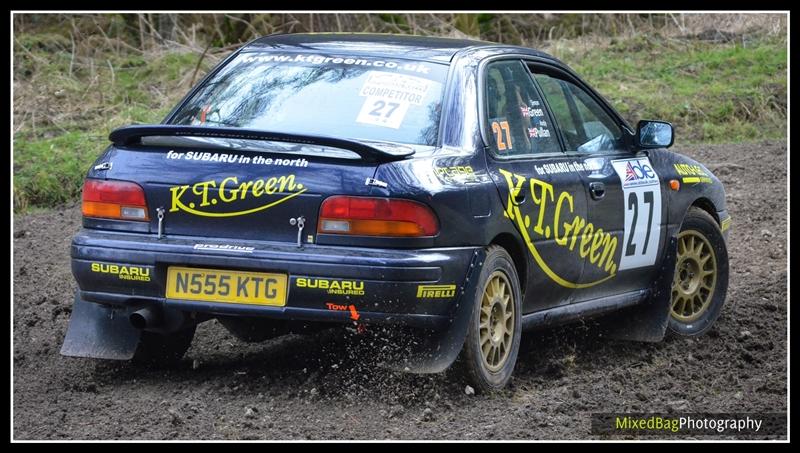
(436,291)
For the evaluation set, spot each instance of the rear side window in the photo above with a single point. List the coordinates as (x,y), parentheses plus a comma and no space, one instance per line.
(516,119)
(341,96)
(586,127)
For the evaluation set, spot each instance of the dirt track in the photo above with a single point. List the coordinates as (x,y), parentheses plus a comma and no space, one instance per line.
(325,386)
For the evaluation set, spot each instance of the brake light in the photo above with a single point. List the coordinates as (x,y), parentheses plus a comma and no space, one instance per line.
(364,216)
(122,200)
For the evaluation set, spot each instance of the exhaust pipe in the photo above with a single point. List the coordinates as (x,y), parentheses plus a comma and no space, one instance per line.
(147,317)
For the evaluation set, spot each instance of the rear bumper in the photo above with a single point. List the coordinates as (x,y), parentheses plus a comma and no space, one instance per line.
(385,286)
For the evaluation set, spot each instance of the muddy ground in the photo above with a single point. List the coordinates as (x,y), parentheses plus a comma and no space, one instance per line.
(326,386)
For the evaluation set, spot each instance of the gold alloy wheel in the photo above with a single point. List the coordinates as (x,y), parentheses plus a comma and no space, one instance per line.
(496,325)
(695,276)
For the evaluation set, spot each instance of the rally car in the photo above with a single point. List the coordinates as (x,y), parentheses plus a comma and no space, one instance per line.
(464,190)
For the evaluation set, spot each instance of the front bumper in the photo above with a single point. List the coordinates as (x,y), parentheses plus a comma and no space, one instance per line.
(386,286)
(725,222)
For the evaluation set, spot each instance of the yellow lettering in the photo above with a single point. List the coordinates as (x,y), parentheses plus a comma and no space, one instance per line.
(562,241)
(577,225)
(287,182)
(258,188)
(243,189)
(177,192)
(269,186)
(203,186)
(596,241)
(541,201)
(513,190)
(234,192)
(596,246)
(587,234)
(609,247)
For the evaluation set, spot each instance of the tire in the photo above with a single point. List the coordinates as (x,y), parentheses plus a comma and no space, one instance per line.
(491,371)
(161,350)
(701,277)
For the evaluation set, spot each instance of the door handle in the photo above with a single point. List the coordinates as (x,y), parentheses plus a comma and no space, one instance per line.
(597,189)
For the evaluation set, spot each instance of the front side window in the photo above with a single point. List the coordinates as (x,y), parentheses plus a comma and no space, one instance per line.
(349,97)
(516,119)
(586,127)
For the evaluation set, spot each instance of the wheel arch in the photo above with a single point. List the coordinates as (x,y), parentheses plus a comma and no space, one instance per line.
(706,205)
(514,248)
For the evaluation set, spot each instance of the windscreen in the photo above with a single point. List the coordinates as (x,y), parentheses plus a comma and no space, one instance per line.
(358,98)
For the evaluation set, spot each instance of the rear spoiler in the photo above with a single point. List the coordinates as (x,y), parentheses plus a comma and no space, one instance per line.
(131,135)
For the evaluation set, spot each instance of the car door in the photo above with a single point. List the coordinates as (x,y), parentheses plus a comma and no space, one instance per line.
(540,192)
(622,187)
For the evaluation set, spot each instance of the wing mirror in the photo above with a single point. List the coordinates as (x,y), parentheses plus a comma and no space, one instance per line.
(654,134)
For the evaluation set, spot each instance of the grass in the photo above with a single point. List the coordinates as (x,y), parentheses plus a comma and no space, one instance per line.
(710,92)
(65,106)
(68,97)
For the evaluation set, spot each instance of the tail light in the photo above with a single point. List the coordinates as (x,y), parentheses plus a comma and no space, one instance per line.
(363,216)
(121,200)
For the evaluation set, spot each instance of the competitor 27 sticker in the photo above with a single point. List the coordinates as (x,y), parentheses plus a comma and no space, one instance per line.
(641,192)
(389,96)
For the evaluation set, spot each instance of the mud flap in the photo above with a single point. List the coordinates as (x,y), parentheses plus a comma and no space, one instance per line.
(648,321)
(100,332)
(435,351)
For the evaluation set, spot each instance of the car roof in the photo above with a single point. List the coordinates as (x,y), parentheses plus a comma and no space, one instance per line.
(388,45)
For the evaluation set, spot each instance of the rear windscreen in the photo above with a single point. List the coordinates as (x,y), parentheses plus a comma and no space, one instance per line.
(347,97)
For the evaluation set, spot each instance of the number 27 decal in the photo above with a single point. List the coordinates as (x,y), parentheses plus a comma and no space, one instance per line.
(498,127)
(633,205)
(379,105)
(641,191)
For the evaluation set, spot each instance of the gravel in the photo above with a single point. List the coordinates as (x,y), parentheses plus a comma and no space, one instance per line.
(328,385)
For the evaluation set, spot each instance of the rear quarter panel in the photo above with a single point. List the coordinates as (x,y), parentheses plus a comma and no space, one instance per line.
(457,186)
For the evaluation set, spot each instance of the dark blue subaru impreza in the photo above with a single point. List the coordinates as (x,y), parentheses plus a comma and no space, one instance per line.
(464,191)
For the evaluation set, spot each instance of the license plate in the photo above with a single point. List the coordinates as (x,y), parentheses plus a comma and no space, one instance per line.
(236,287)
